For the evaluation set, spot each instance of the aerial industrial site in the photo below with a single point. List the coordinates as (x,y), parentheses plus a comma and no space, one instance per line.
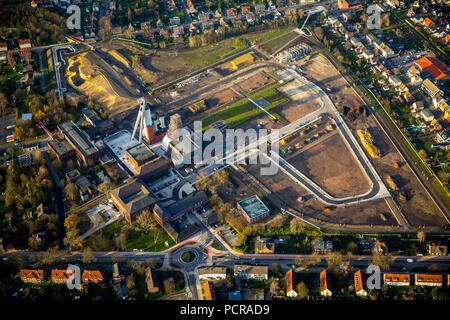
(183,150)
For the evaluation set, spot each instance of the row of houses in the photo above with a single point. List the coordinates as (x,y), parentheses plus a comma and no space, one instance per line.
(24,50)
(389,279)
(37,276)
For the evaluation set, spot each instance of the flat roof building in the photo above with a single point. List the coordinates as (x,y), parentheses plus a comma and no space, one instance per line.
(84,148)
(62,149)
(251,272)
(139,155)
(253,209)
(212,273)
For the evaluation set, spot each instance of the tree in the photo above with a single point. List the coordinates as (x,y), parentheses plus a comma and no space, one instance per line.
(383,261)
(3,105)
(421,236)
(169,285)
(334,261)
(302,290)
(146,221)
(131,281)
(88,257)
(297,226)
(71,191)
(274,268)
(318,31)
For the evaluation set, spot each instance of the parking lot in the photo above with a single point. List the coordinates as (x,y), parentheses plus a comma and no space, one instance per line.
(227,233)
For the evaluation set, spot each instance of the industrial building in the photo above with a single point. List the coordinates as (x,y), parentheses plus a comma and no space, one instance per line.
(132,198)
(253,209)
(79,140)
(62,149)
(139,154)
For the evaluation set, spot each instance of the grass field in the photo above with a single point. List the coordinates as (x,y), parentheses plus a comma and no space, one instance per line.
(272,46)
(207,55)
(266,36)
(243,110)
(138,239)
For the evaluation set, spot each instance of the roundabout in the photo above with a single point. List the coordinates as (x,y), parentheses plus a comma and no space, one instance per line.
(187,257)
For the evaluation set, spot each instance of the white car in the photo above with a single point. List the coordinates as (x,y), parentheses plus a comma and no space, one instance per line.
(409,260)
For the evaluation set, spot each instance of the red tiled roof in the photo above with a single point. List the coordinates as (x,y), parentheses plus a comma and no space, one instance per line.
(432,66)
(92,276)
(33,273)
(427,22)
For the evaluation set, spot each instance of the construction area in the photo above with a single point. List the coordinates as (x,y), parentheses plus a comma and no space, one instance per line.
(336,164)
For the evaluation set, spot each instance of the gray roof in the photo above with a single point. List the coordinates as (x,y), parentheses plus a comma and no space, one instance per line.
(78,138)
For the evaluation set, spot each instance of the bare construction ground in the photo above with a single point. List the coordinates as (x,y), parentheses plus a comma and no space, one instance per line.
(419,208)
(90,81)
(303,101)
(332,166)
(292,195)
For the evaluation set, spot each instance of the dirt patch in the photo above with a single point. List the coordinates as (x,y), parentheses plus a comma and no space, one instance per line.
(221,98)
(419,208)
(303,101)
(255,82)
(331,165)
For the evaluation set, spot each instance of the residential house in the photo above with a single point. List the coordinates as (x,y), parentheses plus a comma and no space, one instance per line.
(359,284)
(203,16)
(290,284)
(417,106)
(85,187)
(414,76)
(231,12)
(349,4)
(325,284)
(386,51)
(212,273)
(431,89)
(427,22)
(426,115)
(174,21)
(395,81)
(380,247)
(61,276)
(260,8)
(245,10)
(251,272)
(207,25)
(33,276)
(264,246)
(322,246)
(428,280)
(92,276)
(434,249)
(396,279)
(151,280)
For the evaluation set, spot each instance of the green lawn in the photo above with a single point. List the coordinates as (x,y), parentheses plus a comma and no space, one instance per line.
(243,110)
(261,37)
(138,239)
(210,54)
(276,44)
